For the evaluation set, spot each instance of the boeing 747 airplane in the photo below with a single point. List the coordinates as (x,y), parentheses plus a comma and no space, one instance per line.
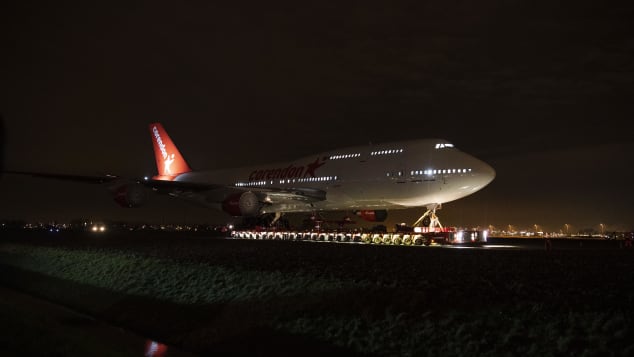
(369,180)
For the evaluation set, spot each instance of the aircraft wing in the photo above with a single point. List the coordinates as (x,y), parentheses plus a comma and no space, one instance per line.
(217,192)
(162,186)
(97,179)
(189,189)
(307,195)
(274,194)
(227,198)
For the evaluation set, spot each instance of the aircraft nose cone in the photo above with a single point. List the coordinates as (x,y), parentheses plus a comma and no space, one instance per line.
(488,171)
(485,172)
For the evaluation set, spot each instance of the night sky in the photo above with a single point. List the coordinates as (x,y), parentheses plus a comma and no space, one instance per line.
(542,92)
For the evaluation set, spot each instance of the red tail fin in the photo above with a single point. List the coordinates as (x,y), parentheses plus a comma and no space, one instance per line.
(169,161)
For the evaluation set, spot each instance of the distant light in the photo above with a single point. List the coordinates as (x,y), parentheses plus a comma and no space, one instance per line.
(145,178)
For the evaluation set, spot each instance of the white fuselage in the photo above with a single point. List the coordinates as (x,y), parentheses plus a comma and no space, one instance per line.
(393,175)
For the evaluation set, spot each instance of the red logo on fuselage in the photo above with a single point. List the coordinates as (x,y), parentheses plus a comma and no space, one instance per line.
(289,172)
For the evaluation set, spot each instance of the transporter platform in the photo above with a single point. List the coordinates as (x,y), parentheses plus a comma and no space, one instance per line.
(418,236)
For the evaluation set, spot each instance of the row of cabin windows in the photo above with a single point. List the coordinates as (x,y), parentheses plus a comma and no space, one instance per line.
(373,153)
(429,172)
(439,171)
(383,152)
(285,181)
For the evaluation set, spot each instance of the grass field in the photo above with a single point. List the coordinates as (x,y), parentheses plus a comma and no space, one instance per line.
(212,296)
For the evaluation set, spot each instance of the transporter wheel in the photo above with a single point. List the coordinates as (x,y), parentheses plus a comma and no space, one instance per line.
(426,221)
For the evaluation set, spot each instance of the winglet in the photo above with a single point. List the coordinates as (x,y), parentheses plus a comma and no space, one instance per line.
(169,161)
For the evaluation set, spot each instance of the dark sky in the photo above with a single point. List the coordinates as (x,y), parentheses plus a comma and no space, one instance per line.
(543,92)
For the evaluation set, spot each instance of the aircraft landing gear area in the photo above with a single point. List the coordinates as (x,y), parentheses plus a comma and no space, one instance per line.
(431,232)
